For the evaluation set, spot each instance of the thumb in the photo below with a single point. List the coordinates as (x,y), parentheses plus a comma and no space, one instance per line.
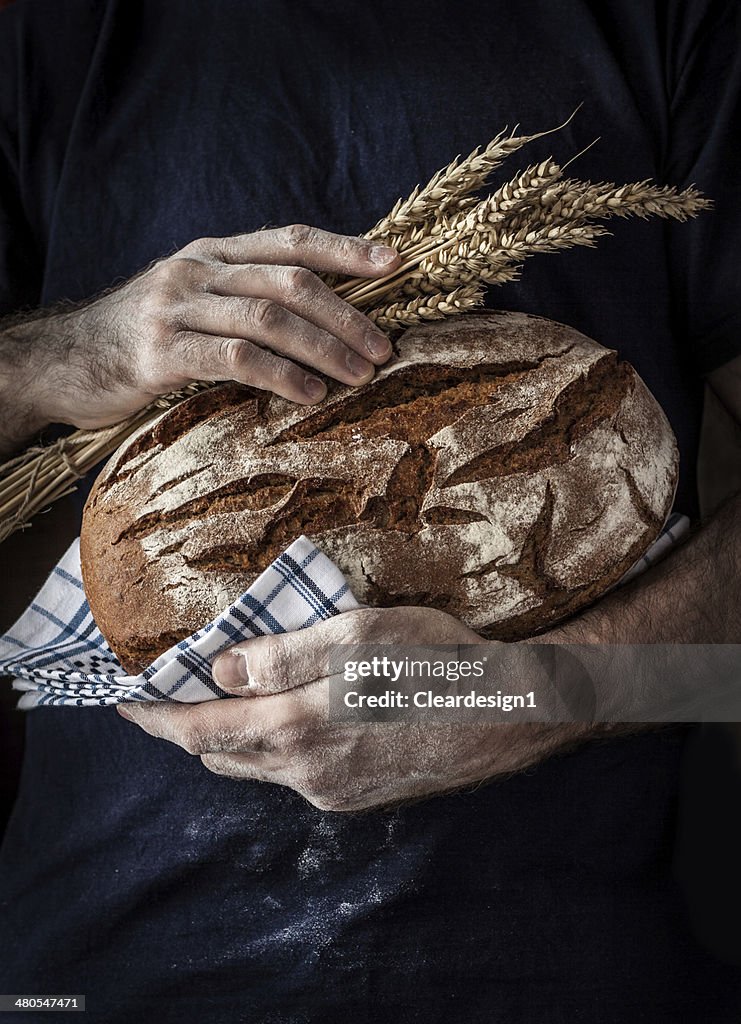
(272,664)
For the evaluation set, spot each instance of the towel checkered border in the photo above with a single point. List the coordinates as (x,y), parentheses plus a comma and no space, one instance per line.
(58,656)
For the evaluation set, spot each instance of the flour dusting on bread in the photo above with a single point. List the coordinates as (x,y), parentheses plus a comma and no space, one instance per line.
(502,467)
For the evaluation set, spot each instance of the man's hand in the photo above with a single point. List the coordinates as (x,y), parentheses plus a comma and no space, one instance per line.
(248,308)
(279,730)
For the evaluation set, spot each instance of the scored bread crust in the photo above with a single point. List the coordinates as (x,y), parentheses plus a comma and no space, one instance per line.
(502,467)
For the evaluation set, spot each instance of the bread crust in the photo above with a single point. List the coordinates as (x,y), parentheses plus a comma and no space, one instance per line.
(502,467)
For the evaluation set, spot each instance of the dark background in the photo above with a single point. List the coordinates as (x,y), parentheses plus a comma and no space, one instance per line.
(708,854)
(26,558)
(13,568)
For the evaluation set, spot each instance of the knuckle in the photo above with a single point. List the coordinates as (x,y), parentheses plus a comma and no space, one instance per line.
(158,298)
(221,764)
(166,275)
(351,323)
(286,372)
(167,284)
(329,798)
(346,317)
(328,349)
(298,281)
(198,247)
(274,373)
(262,313)
(299,236)
(176,272)
(274,666)
(193,741)
(233,353)
(351,248)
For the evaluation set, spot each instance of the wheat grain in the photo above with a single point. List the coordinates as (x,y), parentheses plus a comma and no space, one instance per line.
(452,244)
(572,200)
(514,196)
(428,307)
(450,187)
(447,187)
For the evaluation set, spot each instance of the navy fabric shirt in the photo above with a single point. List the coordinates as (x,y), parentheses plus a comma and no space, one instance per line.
(128,871)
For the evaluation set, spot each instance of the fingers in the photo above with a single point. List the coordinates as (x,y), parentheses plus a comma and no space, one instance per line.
(258,729)
(248,308)
(300,245)
(227,358)
(303,293)
(241,767)
(277,328)
(170,722)
(276,673)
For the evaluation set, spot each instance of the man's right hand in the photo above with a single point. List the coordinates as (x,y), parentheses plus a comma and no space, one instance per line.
(248,308)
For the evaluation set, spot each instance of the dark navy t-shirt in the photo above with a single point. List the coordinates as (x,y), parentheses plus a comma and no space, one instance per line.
(129,872)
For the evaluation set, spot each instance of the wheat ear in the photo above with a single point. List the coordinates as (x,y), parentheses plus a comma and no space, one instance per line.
(451,244)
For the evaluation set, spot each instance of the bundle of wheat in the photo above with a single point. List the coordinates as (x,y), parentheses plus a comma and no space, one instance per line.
(452,245)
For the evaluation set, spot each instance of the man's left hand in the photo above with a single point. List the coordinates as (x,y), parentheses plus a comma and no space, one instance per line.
(279,729)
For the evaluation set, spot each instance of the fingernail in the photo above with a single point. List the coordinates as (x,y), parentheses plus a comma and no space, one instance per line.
(314,387)
(377,344)
(124,713)
(358,366)
(230,670)
(382,254)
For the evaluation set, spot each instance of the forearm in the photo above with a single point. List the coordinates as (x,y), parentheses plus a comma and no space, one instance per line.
(692,598)
(59,363)
(29,346)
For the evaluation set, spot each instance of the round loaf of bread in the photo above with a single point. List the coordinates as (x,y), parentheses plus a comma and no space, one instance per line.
(502,467)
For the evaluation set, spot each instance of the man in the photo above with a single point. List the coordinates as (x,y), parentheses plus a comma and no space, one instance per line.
(132,130)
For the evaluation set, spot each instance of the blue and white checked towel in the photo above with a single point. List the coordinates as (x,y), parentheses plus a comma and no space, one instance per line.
(57,654)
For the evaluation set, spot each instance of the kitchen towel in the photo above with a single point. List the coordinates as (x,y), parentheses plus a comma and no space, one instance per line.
(57,655)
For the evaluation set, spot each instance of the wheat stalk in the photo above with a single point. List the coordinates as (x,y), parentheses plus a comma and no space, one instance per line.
(451,242)
(450,188)
(428,307)
(572,199)
(42,475)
